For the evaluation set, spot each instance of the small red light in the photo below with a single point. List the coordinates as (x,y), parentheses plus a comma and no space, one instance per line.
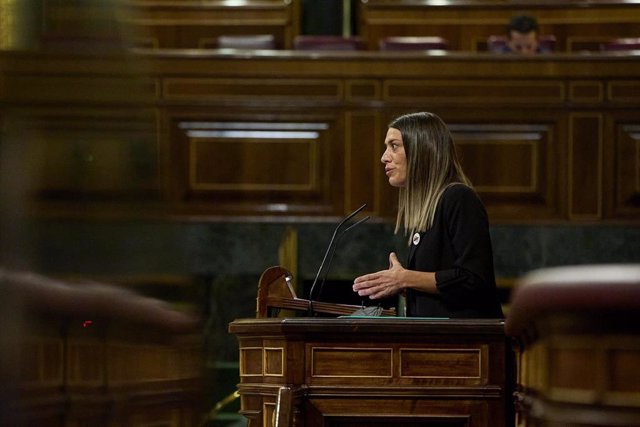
(87,323)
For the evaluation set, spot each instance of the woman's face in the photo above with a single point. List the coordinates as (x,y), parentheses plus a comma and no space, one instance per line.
(394,158)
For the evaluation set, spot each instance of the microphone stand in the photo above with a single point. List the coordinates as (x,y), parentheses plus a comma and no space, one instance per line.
(329,248)
(326,271)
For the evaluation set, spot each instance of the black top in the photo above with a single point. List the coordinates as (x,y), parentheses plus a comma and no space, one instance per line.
(458,249)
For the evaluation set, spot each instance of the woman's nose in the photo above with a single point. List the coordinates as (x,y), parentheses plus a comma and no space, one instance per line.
(384,158)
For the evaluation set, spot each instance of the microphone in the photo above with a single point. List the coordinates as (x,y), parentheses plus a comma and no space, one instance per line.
(342,233)
(331,250)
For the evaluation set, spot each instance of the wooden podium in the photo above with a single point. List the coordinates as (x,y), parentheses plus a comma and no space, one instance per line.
(378,371)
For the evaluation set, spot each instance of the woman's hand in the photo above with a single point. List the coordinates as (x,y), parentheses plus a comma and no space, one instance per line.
(383,283)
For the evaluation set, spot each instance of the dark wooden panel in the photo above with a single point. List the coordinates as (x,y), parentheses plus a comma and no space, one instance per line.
(514,167)
(624,377)
(274,361)
(250,361)
(246,89)
(362,165)
(77,26)
(73,88)
(571,368)
(91,154)
(624,91)
(520,177)
(452,363)
(243,165)
(255,165)
(505,159)
(514,92)
(586,166)
(347,363)
(586,92)
(361,90)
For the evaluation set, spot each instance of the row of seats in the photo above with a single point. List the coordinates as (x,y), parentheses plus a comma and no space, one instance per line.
(494,43)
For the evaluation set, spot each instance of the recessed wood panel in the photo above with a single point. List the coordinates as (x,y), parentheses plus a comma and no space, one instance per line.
(256,165)
(624,91)
(514,164)
(586,91)
(251,361)
(83,25)
(129,363)
(573,368)
(349,362)
(85,362)
(253,156)
(489,91)
(508,162)
(359,90)
(273,361)
(585,165)
(362,165)
(99,89)
(94,163)
(441,363)
(180,88)
(239,164)
(624,373)
(42,362)
(268,414)
(90,154)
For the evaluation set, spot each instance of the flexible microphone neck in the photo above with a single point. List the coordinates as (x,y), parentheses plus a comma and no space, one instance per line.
(342,233)
(330,248)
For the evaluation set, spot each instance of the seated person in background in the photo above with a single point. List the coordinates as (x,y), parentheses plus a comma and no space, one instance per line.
(522,36)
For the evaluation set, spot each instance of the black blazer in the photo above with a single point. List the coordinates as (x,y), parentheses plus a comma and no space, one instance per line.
(458,249)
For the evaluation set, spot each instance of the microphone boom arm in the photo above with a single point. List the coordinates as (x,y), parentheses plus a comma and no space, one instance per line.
(330,247)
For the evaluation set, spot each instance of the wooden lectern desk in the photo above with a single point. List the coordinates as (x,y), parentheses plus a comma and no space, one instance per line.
(373,371)
(356,372)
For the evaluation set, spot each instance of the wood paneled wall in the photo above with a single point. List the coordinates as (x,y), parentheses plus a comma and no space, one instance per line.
(466,24)
(544,139)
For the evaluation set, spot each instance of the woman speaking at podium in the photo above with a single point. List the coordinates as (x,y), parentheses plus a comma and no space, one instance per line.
(449,269)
